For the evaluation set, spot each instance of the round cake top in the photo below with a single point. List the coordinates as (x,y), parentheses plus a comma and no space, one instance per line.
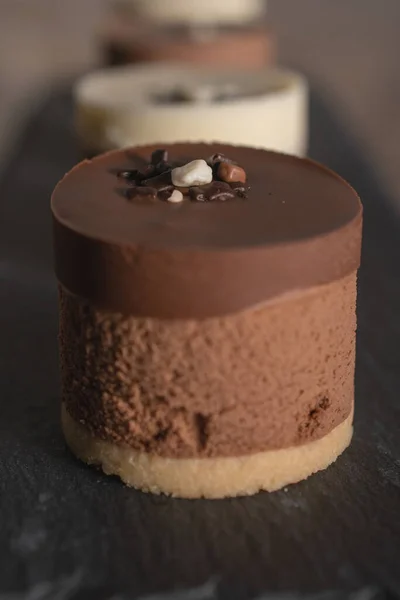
(288,200)
(137,216)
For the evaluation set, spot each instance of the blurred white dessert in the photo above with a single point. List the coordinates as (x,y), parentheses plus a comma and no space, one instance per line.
(163,103)
(196,12)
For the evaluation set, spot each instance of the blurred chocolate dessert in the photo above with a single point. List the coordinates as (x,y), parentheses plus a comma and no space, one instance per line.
(228,32)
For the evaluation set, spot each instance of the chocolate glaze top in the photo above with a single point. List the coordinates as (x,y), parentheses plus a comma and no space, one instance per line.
(299,226)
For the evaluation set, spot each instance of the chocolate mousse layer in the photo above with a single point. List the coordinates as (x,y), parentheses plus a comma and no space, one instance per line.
(273,377)
(298,227)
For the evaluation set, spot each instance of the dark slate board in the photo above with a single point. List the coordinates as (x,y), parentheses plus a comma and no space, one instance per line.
(67,532)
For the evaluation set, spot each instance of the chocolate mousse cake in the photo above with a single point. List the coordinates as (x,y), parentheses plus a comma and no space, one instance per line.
(215,39)
(207,316)
(128,106)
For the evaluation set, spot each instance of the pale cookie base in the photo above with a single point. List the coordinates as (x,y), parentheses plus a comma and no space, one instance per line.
(208,477)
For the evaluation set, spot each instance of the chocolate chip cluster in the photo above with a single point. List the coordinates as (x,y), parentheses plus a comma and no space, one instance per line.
(215,179)
(202,93)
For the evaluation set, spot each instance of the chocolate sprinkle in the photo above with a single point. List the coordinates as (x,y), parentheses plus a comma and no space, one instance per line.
(212,192)
(155,181)
(130,176)
(159,156)
(217,158)
(240,189)
(161,182)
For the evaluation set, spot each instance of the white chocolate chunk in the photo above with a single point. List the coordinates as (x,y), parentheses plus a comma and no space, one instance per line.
(175,197)
(196,172)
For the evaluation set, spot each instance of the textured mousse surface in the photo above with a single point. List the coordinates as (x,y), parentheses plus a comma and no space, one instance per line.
(276,376)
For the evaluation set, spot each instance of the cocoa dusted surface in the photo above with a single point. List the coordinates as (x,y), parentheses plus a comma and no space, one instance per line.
(270,378)
(300,226)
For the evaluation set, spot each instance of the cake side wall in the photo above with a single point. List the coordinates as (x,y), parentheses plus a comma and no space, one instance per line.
(248,49)
(276,376)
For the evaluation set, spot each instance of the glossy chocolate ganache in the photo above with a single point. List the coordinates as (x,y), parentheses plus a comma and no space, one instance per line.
(286,225)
